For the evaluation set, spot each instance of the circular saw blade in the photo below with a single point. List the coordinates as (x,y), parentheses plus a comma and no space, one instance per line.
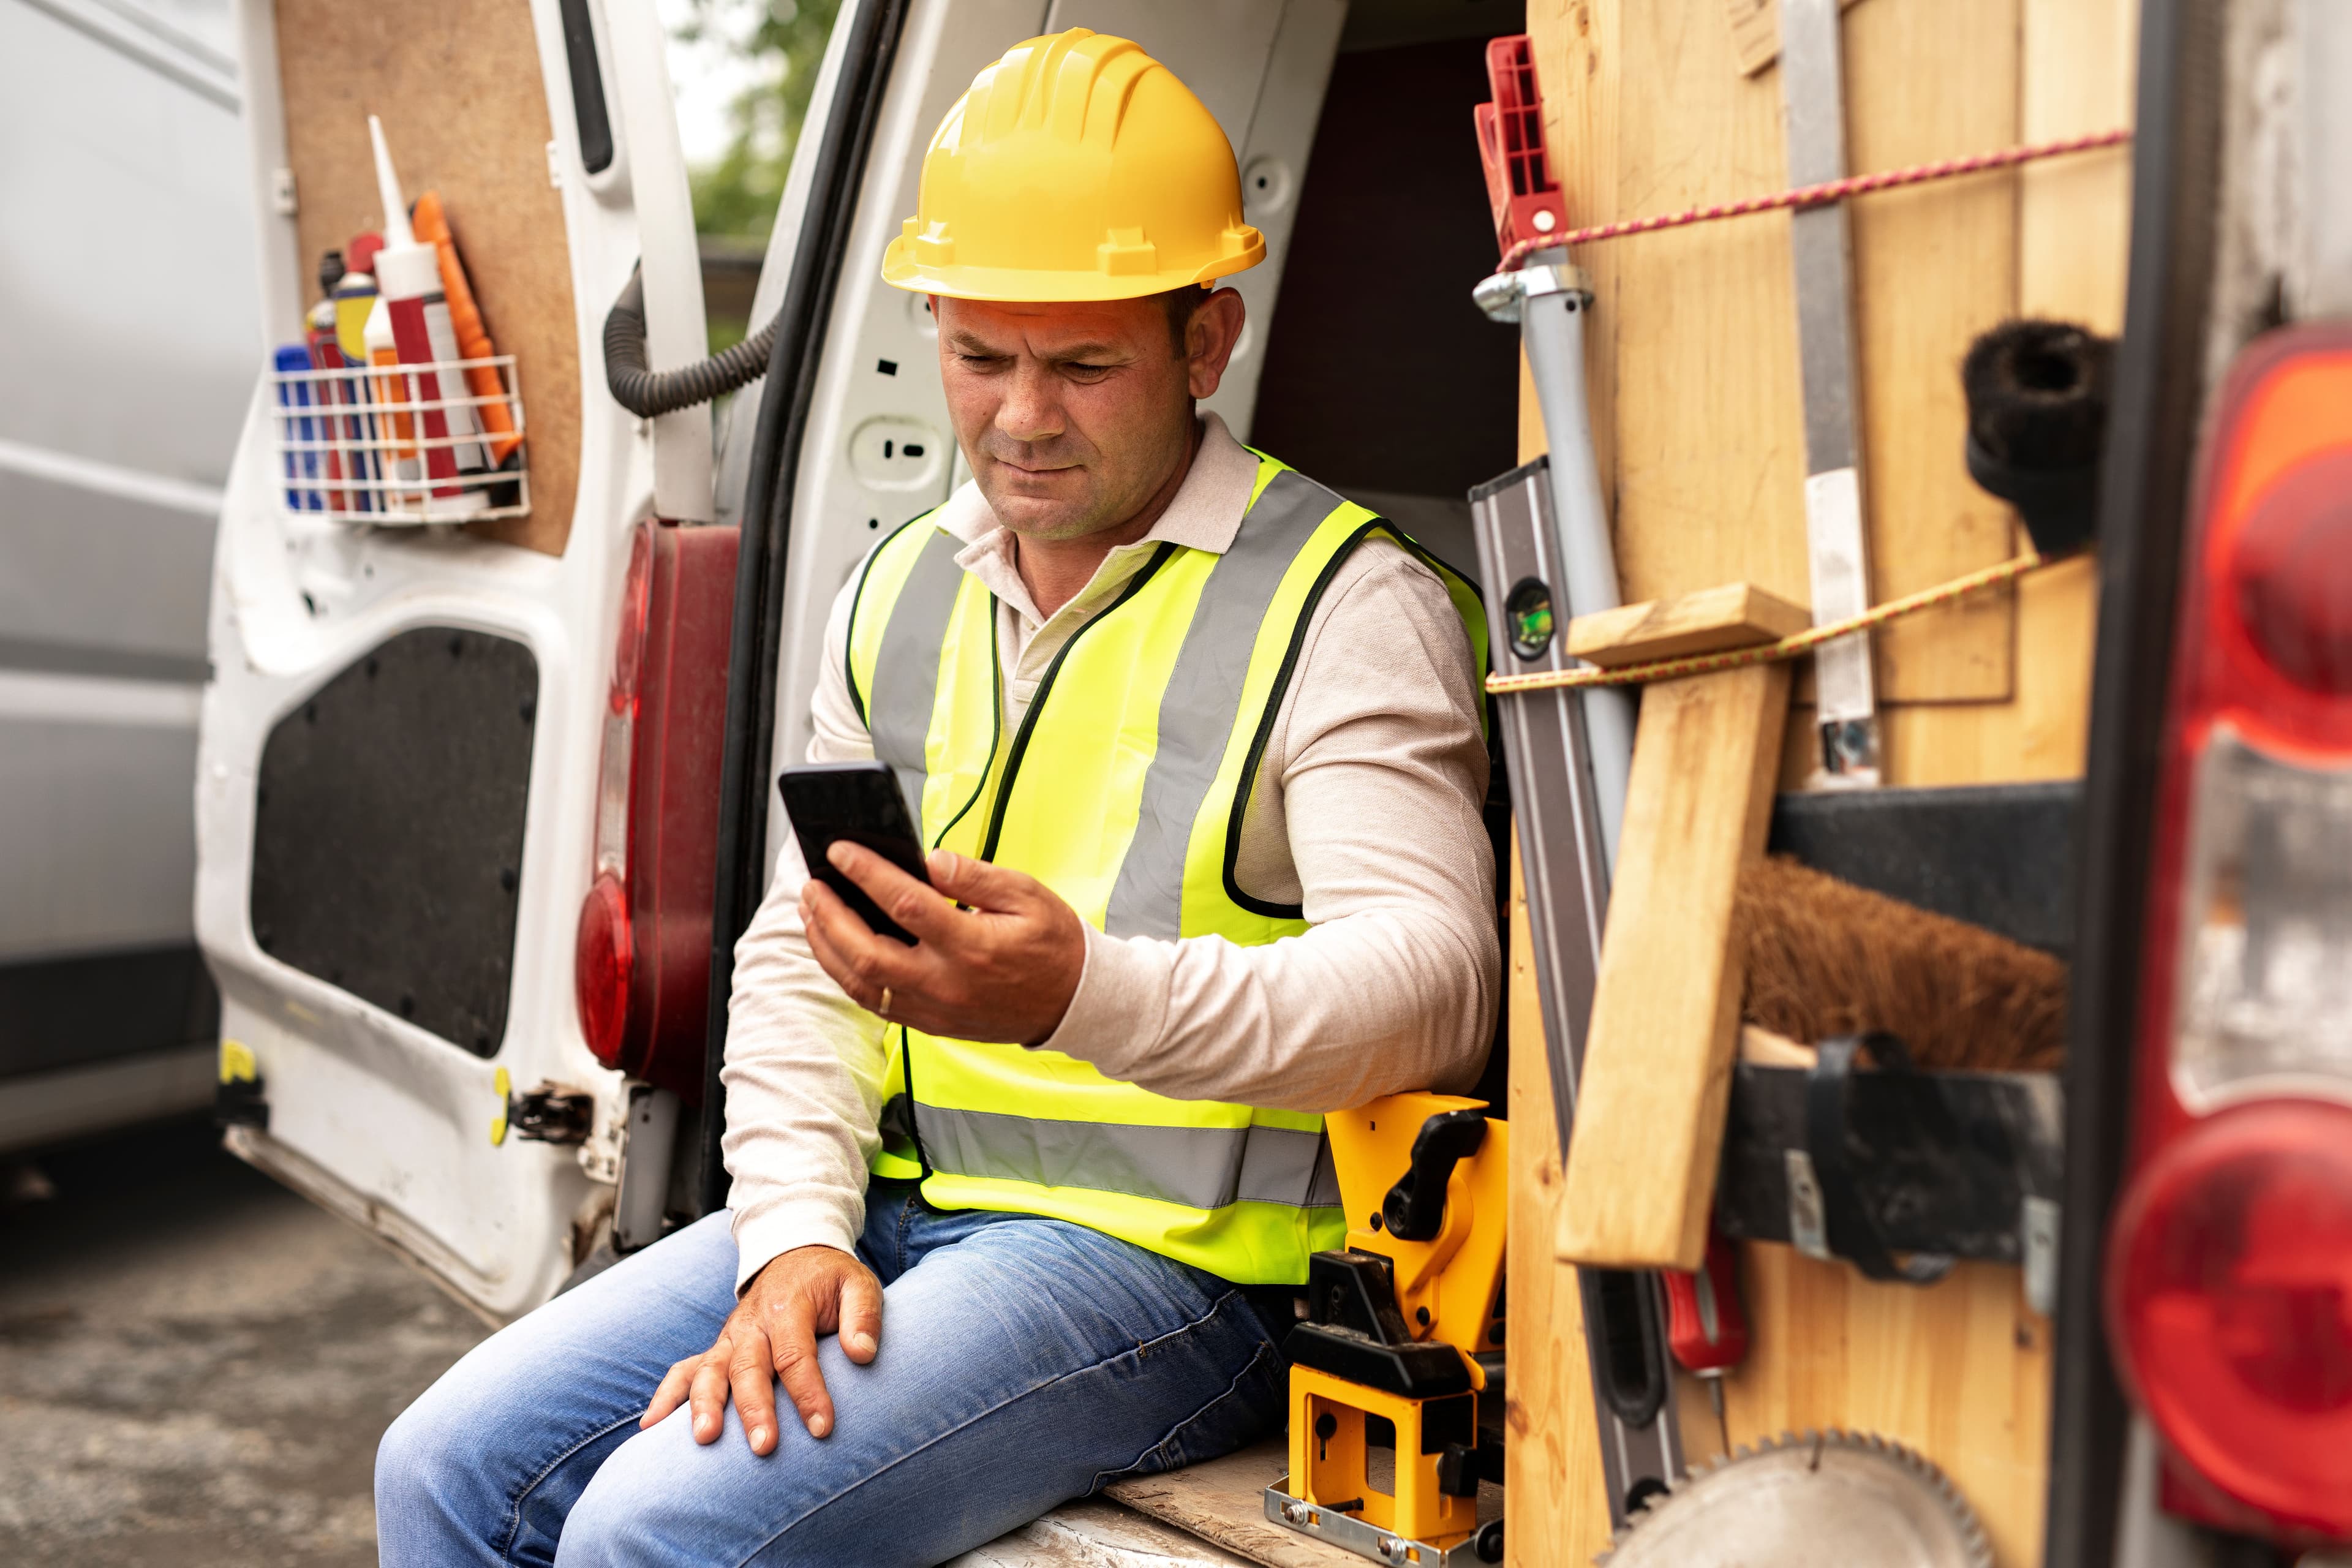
(1804,1500)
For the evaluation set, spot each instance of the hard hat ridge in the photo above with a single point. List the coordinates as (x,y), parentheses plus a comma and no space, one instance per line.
(1075,167)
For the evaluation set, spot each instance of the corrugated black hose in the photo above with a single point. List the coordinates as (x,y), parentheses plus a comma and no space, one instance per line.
(647,393)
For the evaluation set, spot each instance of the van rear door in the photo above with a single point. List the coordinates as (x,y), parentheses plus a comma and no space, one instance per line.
(400,743)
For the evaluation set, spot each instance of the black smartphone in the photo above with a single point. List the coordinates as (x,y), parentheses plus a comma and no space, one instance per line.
(860,801)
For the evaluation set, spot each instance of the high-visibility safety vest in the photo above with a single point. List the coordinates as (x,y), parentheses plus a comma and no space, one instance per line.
(1123,790)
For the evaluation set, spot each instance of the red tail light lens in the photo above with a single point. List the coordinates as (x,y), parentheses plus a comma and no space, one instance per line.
(600,967)
(2294,570)
(636,602)
(2230,1301)
(2230,1259)
(642,959)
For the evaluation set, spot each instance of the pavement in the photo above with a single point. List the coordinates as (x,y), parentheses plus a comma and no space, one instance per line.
(196,1363)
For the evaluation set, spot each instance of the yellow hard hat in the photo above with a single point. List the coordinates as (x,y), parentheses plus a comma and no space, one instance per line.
(1076,167)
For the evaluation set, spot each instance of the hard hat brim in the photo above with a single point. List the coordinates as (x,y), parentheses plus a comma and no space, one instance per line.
(1013,285)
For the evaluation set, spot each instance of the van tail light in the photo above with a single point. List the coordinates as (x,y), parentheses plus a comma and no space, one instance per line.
(2229,1273)
(641,956)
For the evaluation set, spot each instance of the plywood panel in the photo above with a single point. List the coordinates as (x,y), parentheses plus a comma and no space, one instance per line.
(457,85)
(1934,265)
(1559,1516)
(1694,392)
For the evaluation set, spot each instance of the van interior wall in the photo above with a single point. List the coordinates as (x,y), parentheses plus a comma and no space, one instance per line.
(457,85)
(1383,380)
(1697,418)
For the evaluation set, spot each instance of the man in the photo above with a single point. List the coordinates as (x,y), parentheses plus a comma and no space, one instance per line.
(1199,747)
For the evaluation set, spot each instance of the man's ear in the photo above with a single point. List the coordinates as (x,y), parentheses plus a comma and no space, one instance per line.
(1209,341)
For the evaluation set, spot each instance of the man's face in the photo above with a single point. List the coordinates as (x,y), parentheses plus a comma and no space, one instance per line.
(1074,415)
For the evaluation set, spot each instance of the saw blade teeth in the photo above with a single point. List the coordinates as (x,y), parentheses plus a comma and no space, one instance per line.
(1714,1486)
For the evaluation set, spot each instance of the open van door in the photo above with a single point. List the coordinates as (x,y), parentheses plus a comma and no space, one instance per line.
(401,743)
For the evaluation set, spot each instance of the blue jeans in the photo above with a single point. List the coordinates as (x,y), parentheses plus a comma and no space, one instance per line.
(1023,1361)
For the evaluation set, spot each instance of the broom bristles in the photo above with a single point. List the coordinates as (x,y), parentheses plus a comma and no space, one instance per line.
(1826,958)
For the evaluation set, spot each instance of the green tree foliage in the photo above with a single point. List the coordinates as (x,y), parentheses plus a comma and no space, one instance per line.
(736,197)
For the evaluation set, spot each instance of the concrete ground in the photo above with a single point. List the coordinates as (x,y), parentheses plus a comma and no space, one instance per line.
(196,1363)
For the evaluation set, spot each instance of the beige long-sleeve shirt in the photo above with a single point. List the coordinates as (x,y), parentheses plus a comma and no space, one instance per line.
(1366,811)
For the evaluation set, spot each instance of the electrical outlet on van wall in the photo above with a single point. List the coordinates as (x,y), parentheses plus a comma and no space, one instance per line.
(893,452)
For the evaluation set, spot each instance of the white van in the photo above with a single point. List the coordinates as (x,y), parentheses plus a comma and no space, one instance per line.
(128,319)
(480,809)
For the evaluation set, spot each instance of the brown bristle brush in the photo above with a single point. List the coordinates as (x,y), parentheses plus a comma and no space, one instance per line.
(1826,958)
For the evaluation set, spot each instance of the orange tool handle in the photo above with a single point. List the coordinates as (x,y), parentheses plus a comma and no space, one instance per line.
(1707,1326)
(432,228)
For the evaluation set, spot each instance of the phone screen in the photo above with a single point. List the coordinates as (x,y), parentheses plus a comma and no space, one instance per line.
(860,801)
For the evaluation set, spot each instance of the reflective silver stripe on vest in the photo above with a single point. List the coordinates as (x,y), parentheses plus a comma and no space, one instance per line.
(1199,709)
(1198,1167)
(907,665)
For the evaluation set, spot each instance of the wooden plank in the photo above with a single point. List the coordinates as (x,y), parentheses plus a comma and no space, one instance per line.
(1756,32)
(1093,1532)
(2073,227)
(459,85)
(1737,615)
(1934,267)
(1665,1008)
(1558,1514)
(1223,1502)
(1704,491)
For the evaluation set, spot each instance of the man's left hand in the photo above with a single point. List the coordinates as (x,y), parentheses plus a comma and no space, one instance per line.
(1004,969)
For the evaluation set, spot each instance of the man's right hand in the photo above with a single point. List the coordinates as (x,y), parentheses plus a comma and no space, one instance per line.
(772,1335)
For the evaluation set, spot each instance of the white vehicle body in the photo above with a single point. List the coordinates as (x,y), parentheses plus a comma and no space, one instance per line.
(126,304)
(379,1115)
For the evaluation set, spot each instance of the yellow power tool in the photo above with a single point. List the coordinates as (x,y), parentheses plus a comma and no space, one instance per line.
(1403,1333)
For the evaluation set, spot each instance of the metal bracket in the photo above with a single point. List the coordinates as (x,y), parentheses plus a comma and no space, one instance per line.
(2037,1235)
(551,1113)
(1808,1228)
(1503,296)
(1352,1534)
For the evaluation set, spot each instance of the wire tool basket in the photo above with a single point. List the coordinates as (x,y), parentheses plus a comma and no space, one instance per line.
(439,442)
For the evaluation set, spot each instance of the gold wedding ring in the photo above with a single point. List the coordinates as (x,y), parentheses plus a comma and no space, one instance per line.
(883,1010)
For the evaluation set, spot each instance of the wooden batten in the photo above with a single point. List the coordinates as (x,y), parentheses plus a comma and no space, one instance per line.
(1692,356)
(457,85)
(1712,620)
(1666,1011)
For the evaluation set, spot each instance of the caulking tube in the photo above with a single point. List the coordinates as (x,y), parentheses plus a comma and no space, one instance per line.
(408,281)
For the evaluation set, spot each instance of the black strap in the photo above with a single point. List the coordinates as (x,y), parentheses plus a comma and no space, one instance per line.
(1853,1233)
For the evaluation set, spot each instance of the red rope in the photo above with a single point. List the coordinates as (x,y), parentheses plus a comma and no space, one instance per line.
(1821,194)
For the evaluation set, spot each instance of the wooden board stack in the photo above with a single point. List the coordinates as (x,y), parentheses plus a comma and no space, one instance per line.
(1652,107)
